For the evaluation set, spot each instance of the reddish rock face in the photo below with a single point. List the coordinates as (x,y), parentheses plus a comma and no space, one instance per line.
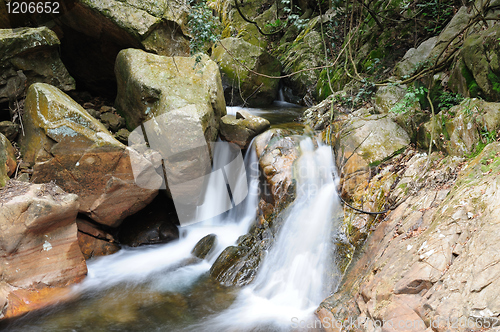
(93,241)
(38,243)
(70,147)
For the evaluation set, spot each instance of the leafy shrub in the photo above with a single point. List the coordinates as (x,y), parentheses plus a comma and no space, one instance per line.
(203,26)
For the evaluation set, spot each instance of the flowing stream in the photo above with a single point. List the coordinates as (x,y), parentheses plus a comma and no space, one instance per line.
(165,288)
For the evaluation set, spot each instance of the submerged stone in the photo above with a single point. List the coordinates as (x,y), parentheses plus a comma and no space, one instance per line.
(205,246)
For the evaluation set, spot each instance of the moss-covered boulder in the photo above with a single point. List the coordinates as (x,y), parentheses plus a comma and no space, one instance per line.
(30,55)
(304,52)
(67,145)
(410,120)
(8,161)
(150,85)
(464,129)
(241,128)
(96,30)
(387,97)
(479,72)
(262,12)
(241,86)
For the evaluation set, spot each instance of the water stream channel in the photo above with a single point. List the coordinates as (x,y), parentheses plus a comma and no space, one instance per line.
(165,288)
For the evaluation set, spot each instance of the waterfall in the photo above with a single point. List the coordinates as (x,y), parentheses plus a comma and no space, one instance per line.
(135,266)
(293,278)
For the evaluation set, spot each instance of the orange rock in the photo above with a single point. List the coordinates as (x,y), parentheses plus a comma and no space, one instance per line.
(38,244)
(22,301)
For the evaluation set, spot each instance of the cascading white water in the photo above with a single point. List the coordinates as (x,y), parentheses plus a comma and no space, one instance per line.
(293,280)
(141,265)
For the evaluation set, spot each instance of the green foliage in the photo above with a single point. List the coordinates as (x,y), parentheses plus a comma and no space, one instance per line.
(495,81)
(413,95)
(437,13)
(203,26)
(447,100)
(276,25)
(293,18)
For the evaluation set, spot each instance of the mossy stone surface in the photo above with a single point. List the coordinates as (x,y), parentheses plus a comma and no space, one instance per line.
(240,84)
(8,161)
(27,56)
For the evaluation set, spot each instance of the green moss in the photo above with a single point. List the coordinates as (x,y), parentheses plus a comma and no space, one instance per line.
(472,85)
(338,80)
(479,148)
(495,81)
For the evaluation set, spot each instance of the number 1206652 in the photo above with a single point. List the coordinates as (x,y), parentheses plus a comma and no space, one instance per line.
(15,7)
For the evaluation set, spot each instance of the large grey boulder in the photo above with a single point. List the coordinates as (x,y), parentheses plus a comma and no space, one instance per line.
(365,140)
(30,55)
(428,52)
(174,104)
(387,97)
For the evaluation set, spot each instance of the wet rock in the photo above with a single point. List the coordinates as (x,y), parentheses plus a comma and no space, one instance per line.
(30,55)
(93,241)
(240,85)
(38,241)
(277,152)
(227,260)
(122,135)
(65,144)
(181,102)
(112,121)
(9,130)
(205,246)
(8,162)
(157,223)
(95,31)
(242,128)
